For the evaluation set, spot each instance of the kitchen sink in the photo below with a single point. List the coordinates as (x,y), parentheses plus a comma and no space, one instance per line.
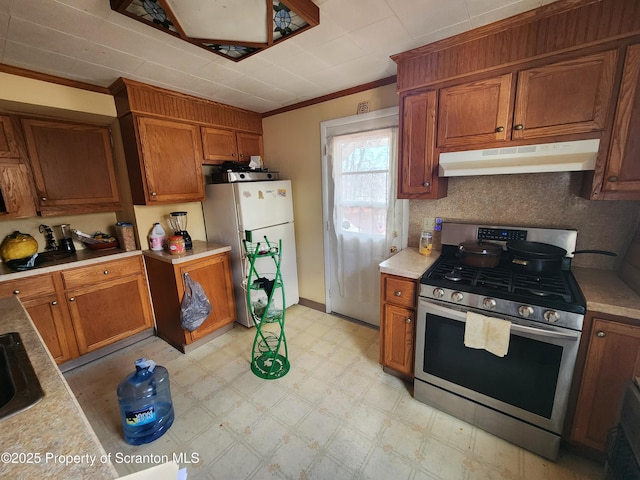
(19,385)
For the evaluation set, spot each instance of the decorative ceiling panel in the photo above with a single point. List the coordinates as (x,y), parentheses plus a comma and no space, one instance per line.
(234,29)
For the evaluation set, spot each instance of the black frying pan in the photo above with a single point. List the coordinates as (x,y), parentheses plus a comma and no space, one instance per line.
(537,257)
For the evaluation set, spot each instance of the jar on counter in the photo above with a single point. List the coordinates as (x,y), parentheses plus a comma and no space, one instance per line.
(176,244)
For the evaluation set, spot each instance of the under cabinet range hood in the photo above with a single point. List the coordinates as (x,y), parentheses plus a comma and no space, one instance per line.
(549,157)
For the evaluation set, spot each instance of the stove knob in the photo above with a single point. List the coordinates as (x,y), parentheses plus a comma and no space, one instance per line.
(489,303)
(551,316)
(438,292)
(457,296)
(525,311)
(242,175)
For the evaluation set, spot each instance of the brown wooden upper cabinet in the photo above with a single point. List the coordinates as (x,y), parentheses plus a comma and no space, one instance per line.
(561,98)
(220,145)
(164,160)
(622,172)
(72,166)
(8,140)
(418,166)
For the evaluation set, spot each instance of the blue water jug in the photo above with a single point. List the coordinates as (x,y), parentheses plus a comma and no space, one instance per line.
(145,403)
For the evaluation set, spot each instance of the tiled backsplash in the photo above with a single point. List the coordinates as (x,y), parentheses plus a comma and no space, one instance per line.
(630,270)
(539,200)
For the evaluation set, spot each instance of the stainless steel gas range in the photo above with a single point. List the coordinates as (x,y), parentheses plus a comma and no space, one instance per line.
(522,396)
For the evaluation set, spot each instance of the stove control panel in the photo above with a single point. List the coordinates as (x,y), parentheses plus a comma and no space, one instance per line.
(501,234)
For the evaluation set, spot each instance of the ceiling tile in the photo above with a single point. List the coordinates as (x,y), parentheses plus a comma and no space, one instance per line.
(430,15)
(39,36)
(5,6)
(98,8)
(352,15)
(26,56)
(384,37)
(85,71)
(503,12)
(4,25)
(57,16)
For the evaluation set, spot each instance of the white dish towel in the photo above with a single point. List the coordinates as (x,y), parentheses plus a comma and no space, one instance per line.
(488,333)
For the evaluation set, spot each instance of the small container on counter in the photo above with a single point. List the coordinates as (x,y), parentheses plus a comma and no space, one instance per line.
(176,244)
(126,236)
(156,238)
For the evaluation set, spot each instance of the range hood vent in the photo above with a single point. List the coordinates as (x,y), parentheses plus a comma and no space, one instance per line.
(548,157)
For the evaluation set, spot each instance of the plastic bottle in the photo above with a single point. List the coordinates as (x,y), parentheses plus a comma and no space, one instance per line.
(156,238)
(145,403)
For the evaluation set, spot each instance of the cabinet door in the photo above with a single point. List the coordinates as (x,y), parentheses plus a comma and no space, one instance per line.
(613,360)
(219,145)
(475,112)
(398,331)
(564,98)
(17,198)
(172,161)
(51,320)
(249,144)
(214,274)
(110,311)
(72,165)
(622,173)
(418,170)
(8,141)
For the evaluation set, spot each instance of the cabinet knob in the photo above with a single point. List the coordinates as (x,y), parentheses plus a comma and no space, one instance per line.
(613,178)
(426,184)
(106,272)
(601,334)
(500,129)
(398,293)
(408,320)
(153,194)
(44,199)
(518,127)
(233,154)
(72,299)
(54,302)
(16,292)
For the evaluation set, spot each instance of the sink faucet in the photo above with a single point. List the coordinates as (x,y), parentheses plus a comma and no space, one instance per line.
(51,241)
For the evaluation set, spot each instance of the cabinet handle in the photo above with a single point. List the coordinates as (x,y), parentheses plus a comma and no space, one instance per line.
(55,302)
(408,320)
(601,334)
(106,272)
(518,127)
(72,299)
(426,184)
(153,194)
(398,293)
(16,292)
(613,178)
(500,129)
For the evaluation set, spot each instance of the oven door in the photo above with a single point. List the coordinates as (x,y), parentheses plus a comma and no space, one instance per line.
(530,383)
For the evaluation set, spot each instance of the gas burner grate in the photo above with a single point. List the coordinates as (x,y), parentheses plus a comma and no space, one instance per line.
(503,278)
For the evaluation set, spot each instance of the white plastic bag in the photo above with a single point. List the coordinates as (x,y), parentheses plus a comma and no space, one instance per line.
(195,307)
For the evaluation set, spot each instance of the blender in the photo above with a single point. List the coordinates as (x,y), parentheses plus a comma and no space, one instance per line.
(178,222)
(66,240)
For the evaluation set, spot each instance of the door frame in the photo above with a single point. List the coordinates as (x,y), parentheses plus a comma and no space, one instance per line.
(326,176)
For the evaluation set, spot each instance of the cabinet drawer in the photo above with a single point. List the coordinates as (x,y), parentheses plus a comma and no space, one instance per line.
(400,291)
(82,276)
(29,287)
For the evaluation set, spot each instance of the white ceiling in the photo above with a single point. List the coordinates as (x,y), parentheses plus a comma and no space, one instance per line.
(85,40)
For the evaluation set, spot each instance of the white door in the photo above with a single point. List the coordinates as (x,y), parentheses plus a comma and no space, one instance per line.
(364,221)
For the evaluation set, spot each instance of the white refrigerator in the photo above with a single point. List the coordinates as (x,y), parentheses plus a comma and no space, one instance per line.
(252,210)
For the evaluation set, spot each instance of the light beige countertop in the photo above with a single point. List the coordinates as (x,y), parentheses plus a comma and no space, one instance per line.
(408,263)
(80,258)
(53,438)
(200,250)
(606,292)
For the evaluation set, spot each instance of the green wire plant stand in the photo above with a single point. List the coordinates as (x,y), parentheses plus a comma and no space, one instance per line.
(266,302)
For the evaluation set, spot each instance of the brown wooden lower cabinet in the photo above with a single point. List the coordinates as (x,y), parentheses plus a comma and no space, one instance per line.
(79,310)
(397,323)
(166,280)
(612,361)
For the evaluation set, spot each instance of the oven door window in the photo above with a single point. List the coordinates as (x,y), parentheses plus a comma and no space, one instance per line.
(525,378)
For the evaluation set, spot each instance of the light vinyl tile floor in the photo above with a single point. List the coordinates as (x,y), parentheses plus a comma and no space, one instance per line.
(335,415)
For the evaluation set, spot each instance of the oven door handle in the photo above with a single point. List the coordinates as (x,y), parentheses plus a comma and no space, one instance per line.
(461,316)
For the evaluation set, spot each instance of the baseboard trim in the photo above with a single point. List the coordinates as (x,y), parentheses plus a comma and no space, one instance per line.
(305,302)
